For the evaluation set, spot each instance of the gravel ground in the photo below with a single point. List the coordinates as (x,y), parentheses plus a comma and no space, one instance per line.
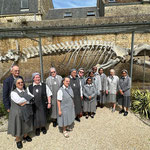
(107,131)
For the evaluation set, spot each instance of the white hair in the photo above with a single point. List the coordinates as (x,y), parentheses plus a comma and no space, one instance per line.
(52,68)
(112,70)
(12,67)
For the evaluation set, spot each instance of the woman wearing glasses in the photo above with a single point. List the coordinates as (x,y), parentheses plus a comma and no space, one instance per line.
(20,121)
(125,91)
(54,82)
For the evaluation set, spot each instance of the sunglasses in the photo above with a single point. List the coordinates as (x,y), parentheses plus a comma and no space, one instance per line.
(19,82)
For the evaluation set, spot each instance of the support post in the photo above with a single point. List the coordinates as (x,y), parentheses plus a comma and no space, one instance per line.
(41,59)
(144,71)
(132,49)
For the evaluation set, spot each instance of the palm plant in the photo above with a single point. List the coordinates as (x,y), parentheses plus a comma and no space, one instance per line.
(141,103)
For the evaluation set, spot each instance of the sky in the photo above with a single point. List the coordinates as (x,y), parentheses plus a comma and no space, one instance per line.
(73,3)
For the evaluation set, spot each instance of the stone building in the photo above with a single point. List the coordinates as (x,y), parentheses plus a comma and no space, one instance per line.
(114,25)
(24,10)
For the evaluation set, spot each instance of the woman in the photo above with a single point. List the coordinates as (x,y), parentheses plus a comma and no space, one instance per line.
(96,80)
(125,87)
(20,121)
(76,86)
(42,95)
(66,111)
(112,88)
(103,90)
(89,94)
(54,82)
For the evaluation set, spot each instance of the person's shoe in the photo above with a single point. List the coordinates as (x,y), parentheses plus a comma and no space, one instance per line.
(54,124)
(65,133)
(37,132)
(102,105)
(125,113)
(86,116)
(44,130)
(121,111)
(19,144)
(77,119)
(27,138)
(92,116)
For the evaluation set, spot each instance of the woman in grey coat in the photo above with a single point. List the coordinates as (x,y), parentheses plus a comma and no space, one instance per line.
(125,91)
(76,86)
(66,111)
(54,82)
(96,80)
(112,87)
(20,121)
(89,94)
(103,90)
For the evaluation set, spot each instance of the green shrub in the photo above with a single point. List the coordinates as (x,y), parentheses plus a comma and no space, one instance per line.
(141,103)
(3,111)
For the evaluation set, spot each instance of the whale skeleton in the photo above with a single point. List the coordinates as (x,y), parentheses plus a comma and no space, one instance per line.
(82,53)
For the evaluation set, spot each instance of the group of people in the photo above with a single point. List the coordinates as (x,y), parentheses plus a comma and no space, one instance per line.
(67,99)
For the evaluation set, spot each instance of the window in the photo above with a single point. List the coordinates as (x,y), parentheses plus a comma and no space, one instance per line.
(112,0)
(67,14)
(90,13)
(24,4)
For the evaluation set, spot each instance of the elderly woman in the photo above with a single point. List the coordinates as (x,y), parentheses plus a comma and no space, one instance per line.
(42,95)
(76,86)
(125,87)
(54,82)
(89,94)
(112,88)
(96,81)
(20,121)
(66,112)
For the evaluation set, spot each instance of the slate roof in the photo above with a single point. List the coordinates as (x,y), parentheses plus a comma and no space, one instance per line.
(14,7)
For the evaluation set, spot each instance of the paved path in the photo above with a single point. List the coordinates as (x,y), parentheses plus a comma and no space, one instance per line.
(107,131)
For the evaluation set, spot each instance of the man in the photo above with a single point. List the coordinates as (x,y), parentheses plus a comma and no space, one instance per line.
(95,70)
(103,90)
(7,86)
(78,95)
(81,76)
(54,82)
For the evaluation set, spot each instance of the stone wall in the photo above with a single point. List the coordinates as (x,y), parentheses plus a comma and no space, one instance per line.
(127,10)
(14,18)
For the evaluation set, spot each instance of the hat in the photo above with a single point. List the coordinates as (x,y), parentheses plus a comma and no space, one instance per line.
(34,74)
(124,70)
(14,83)
(80,69)
(73,70)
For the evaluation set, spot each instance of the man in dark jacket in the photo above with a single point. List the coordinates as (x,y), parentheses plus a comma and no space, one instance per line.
(7,86)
